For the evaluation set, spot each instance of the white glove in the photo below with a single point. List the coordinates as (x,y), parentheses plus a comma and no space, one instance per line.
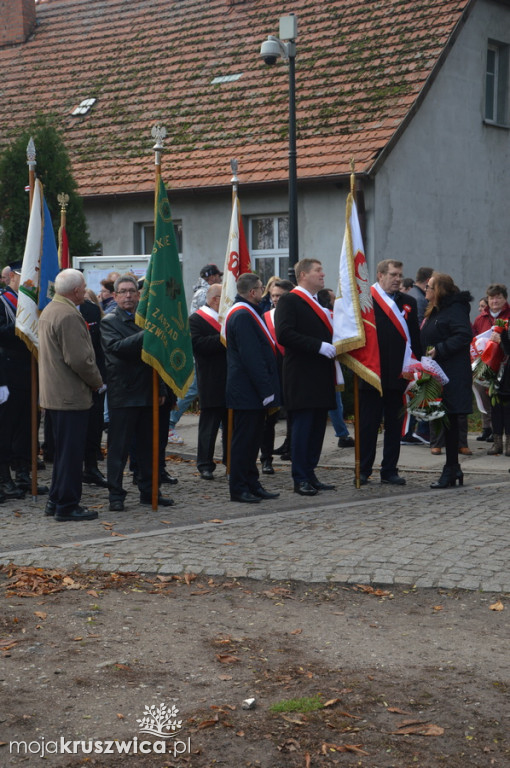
(4,394)
(328,350)
(268,400)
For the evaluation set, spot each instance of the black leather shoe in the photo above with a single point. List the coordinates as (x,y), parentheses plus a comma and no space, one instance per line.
(164,477)
(245,498)
(76,515)
(267,467)
(286,457)
(305,489)
(24,482)
(12,491)
(263,494)
(345,442)
(393,480)
(322,486)
(50,508)
(116,506)
(3,497)
(92,476)
(284,448)
(206,474)
(486,433)
(163,501)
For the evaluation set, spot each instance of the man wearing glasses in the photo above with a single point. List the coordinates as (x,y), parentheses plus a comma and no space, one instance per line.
(129,382)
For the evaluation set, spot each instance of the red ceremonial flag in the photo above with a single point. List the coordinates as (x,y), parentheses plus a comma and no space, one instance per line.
(237,262)
(354,331)
(63,248)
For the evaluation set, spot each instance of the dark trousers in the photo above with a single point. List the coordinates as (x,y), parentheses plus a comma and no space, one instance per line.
(208,425)
(308,426)
(126,423)
(267,444)
(373,408)
(94,431)
(69,430)
(15,433)
(247,434)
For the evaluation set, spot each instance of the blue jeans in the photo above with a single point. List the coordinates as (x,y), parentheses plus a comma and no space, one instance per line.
(183,403)
(337,418)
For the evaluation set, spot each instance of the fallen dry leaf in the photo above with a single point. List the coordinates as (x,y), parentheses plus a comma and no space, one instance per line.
(373,590)
(120,716)
(215,520)
(418,729)
(114,533)
(296,631)
(224,677)
(307,760)
(398,711)
(438,608)
(226,658)
(40,614)
(208,723)
(497,606)
(92,593)
(357,748)
(331,703)
(293,720)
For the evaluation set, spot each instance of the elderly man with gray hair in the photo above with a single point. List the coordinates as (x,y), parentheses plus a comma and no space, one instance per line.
(68,375)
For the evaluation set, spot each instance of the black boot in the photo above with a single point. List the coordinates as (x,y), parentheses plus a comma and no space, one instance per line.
(284,448)
(24,481)
(7,487)
(449,477)
(93,476)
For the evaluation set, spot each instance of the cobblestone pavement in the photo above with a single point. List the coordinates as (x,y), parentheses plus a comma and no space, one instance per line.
(457,538)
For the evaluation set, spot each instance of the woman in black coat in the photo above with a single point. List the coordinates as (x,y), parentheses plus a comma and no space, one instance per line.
(447,331)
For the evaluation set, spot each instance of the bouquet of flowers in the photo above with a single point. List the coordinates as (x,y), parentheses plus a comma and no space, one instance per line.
(423,392)
(487,358)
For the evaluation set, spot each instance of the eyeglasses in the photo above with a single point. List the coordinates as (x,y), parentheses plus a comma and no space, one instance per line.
(127,290)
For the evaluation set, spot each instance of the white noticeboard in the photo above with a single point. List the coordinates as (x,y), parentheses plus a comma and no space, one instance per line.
(97,268)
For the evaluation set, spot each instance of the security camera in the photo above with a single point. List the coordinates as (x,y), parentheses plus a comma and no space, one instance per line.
(271,50)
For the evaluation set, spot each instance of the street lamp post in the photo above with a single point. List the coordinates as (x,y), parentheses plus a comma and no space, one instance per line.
(271,50)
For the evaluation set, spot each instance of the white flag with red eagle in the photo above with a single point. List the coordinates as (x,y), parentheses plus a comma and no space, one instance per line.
(237,262)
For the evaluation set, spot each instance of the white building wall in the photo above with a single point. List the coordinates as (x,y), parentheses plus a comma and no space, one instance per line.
(442,196)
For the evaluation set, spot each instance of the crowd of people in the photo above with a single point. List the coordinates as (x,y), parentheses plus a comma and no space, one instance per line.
(278,362)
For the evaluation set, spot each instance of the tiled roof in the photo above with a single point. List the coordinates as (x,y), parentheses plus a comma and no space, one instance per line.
(360,68)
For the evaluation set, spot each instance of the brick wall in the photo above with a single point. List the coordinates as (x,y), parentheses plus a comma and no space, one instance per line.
(17,21)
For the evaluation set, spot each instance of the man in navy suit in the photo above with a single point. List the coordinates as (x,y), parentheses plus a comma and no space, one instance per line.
(398,337)
(304,328)
(252,387)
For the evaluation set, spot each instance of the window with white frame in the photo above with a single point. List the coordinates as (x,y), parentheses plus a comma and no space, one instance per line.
(144,237)
(269,245)
(496,83)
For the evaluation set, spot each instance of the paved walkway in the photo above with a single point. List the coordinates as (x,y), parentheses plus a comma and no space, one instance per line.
(457,538)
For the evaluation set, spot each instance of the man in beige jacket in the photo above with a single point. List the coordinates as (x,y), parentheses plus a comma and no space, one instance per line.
(68,375)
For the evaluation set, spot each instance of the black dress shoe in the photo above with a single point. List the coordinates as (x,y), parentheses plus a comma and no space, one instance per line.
(163,501)
(92,476)
(267,467)
(12,491)
(393,480)
(116,506)
(345,442)
(322,486)
(305,489)
(164,477)
(50,508)
(263,494)
(3,497)
(284,448)
(76,515)
(286,457)
(245,498)
(206,474)
(24,482)
(486,433)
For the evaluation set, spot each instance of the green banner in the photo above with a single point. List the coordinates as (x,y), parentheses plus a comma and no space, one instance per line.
(162,310)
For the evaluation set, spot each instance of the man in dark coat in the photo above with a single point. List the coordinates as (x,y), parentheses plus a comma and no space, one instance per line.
(129,382)
(211,371)
(91,472)
(398,335)
(252,386)
(304,328)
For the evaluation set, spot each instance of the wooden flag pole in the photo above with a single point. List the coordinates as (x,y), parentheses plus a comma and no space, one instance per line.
(230,413)
(159,134)
(63,200)
(357,451)
(32,162)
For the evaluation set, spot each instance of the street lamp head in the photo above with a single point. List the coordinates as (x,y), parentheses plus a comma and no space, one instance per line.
(272,49)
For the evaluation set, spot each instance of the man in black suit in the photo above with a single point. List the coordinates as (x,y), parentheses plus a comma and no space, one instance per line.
(252,386)
(211,371)
(304,328)
(398,337)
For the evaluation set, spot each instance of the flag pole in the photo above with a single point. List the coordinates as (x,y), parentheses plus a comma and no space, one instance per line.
(32,162)
(357,451)
(159,134)
(230,413)
(63,200)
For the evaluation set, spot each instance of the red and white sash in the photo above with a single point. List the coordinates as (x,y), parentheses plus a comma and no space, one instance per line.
(210,316)
(319,311)
(241,305)
(392,311)
(269,318)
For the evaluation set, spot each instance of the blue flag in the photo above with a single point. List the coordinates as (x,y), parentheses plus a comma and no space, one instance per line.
(49,260)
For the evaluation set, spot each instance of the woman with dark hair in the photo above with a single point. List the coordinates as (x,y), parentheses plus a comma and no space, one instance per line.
(446,334)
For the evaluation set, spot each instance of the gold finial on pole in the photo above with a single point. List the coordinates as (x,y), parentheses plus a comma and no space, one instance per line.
(63,199)
(158,133)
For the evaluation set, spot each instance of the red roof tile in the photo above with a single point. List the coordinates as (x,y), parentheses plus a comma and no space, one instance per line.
(360,67)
